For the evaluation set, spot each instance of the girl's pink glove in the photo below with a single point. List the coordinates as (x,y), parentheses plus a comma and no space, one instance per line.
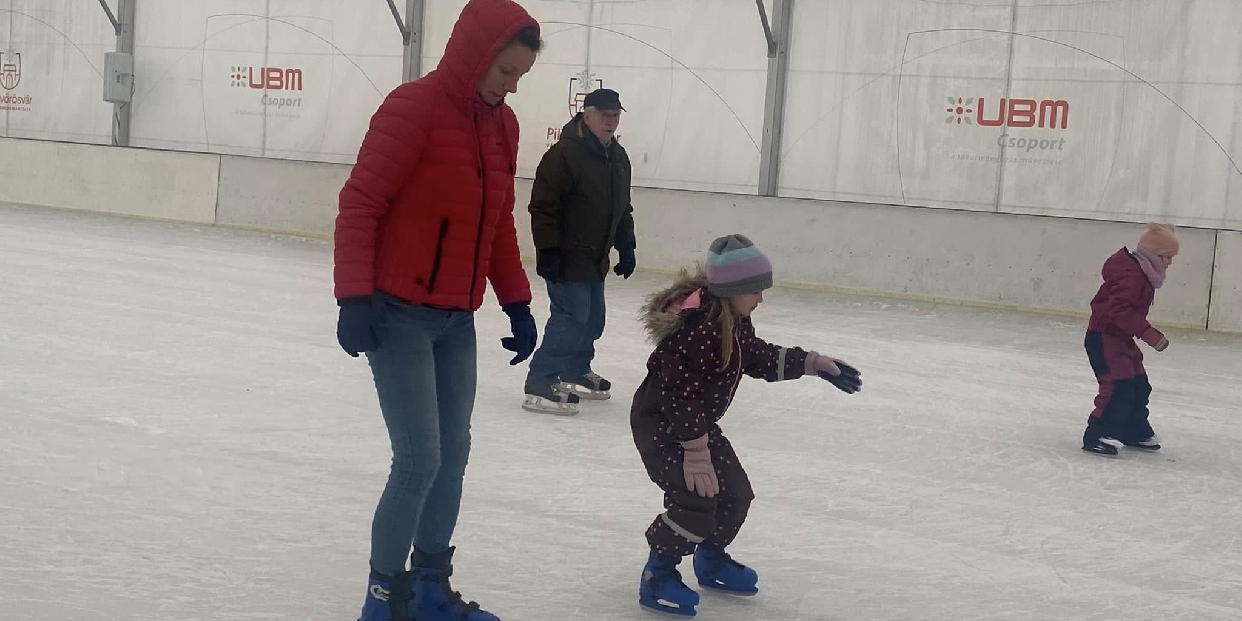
(816,362)
(697,466)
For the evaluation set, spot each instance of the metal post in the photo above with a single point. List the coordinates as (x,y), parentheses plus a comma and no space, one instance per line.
(412,64)
(124,43)
(774,101)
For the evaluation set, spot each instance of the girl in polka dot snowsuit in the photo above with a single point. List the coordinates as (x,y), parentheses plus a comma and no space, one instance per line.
(705,343)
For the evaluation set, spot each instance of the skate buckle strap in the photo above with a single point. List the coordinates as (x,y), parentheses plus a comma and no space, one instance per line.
(453,599)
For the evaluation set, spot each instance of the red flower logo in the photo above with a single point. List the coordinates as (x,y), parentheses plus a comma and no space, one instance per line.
(959,109)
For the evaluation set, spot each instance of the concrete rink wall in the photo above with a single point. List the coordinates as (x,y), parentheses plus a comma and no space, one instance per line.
(988,259)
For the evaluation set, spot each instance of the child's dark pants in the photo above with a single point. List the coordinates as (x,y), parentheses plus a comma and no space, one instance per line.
(1121,406)
(691,519)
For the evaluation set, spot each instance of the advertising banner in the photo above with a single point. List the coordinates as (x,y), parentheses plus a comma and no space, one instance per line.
(51,63)
(295,79)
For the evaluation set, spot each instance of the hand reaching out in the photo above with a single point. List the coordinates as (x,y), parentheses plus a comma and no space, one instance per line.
(837,372)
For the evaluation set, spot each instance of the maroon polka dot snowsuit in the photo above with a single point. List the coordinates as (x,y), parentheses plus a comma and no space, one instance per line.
(684,396)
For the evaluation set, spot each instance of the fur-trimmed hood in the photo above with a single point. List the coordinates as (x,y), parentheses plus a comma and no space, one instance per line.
(662,313)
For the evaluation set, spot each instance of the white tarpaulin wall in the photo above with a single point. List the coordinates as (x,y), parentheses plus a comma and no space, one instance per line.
(1113,110)
(50,70)
(292,79)
(693,96)
(895,101)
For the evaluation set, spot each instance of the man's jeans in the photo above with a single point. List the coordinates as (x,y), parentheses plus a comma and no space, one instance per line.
(575,323)
(425,374)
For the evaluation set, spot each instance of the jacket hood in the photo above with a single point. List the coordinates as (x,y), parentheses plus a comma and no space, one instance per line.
(1122,262)
(572,129)
(482,30)
(662,315)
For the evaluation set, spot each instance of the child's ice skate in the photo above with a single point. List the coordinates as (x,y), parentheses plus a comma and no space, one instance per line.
(662,590)
(1103,446)
(1150,444)
(590,386)
(716,570)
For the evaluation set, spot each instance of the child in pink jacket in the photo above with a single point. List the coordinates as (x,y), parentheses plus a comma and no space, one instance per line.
(1118,316)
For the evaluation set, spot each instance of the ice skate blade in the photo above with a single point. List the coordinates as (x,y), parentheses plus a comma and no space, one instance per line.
(543,406)
(656,608)
(1097,454)
(723,591)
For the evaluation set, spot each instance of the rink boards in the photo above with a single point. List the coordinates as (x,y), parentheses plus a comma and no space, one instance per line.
(1001,260)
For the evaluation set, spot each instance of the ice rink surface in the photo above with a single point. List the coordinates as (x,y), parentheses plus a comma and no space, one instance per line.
(182,438)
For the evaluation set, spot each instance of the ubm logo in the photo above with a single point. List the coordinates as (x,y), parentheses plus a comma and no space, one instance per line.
(270,78)
(1010,113)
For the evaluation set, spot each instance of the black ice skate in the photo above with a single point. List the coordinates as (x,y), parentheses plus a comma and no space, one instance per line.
(1150,444)
(1102,446)
(550,400)
(589,386)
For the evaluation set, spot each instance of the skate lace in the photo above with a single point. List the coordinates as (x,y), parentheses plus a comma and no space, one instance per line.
(593,376)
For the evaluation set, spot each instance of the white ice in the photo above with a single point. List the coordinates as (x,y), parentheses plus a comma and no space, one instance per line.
(181,438)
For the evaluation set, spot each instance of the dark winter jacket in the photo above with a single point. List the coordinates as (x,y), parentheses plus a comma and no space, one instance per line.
(1120,307)
(580,202)
(427,212)
(685,392)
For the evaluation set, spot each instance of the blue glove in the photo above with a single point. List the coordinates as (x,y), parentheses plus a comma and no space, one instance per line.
(626,263)
(525,335)
(358,328)
(849,381)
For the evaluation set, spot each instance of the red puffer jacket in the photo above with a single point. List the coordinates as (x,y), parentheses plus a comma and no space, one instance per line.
(1120,306)
(427,213)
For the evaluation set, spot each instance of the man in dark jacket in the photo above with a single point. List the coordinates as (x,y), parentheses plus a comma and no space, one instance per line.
(580,210)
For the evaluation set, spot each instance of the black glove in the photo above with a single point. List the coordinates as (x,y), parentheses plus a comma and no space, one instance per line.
(525,335)
(548,264)
(358,327)
(626,262)
(849,381)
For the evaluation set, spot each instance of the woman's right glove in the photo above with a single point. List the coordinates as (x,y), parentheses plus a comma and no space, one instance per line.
(358,328)
(698,468)
(838,373)
(1156,339)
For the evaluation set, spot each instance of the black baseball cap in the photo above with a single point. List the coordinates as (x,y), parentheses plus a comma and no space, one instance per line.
(603,99)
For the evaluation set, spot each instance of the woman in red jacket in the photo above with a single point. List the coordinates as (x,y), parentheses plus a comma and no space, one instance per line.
(426,219)
(1118,316)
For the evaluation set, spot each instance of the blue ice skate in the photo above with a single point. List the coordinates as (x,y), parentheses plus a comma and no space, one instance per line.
(662,590)
(433,599)
(387,598)
(716,570)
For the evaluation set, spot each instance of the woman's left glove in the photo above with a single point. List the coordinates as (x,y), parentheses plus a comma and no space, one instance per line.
(525,334)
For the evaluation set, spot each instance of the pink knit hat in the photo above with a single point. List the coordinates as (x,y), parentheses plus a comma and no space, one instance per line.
(1160,239)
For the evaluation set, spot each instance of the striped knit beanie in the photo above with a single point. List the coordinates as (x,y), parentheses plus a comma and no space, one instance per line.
(735,266)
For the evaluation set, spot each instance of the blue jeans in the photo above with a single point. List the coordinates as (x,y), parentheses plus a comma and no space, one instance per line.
(576,321)
(425,374)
